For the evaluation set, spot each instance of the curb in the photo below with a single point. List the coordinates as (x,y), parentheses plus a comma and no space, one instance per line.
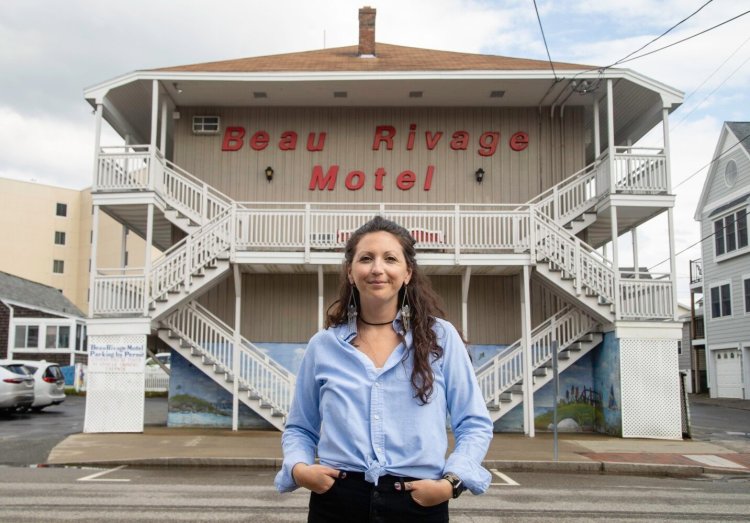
(567,467)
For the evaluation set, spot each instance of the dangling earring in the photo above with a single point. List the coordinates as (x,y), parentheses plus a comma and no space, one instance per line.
(351,312)
(406,310)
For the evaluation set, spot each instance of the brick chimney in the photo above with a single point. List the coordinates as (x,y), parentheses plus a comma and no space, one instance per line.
(366,32)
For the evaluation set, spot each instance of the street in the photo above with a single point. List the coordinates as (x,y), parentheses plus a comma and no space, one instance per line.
(238,494)
(31,492)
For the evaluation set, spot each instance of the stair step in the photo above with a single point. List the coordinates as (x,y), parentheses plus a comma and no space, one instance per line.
(540,372)
(506,397)
(563,355)
(253,395)
(586,337)
(277,413)
(577,346)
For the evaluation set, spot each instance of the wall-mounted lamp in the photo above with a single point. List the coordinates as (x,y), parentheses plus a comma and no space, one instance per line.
(479,175)
(177,87)
(269,173)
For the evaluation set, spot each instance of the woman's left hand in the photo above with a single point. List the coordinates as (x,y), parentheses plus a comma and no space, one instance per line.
(429,492)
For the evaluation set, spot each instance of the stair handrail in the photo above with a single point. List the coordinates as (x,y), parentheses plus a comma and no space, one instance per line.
(202,202)
(589,268)
(277,394)
(503,371)
(190,254)
(551,198)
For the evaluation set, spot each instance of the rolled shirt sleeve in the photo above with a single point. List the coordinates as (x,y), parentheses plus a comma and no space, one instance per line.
(302,430)
(470,420)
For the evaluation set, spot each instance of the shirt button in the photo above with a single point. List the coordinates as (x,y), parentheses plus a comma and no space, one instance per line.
(377,417)
(377,384)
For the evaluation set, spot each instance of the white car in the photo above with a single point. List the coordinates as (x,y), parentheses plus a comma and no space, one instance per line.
(49,383)
(16,387)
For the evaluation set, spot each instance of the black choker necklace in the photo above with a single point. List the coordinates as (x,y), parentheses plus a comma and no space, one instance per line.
(374,324)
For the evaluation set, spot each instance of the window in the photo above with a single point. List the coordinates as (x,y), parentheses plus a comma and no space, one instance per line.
(126,258)
(58,337)
(679,347)
(62,209)
(59,238)
(747,295)
(205,124)
(730,173)
(721,301)
(27,337)
(731,232)
(58,266)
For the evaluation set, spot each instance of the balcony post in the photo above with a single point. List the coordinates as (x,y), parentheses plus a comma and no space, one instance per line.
(465,281)
(97,144)
(321,298)
(615,260)
(528,385)
(672,262)
(147,259)
(457,234)
(597,130)
(237,342)
(92,259)
(636,267)
(667,149)
(154,130)
(611,138)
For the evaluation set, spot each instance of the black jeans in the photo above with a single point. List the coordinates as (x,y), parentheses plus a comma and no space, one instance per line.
(351,499)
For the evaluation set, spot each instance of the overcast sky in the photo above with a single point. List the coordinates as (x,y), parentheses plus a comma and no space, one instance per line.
(51,50)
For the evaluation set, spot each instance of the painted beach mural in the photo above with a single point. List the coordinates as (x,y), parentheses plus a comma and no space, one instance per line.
(589,392)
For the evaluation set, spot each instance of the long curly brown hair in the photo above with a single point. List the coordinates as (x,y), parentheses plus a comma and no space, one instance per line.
(424,303)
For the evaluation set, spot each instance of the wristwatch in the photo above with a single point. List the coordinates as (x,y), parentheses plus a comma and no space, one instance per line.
(456,482)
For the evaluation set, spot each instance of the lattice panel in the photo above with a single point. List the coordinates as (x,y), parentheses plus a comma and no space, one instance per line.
(650,389)
(115,384)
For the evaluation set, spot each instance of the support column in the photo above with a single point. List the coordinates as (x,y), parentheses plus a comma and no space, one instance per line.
(124,248)
(673,264)
(611,138)
(236,347)
(92,260)
(163,131)
(528,385)
(154,128)
(597,130)
(465,281)
(321,304)
(636,263)
(97,143)
(615,259)
(147,258)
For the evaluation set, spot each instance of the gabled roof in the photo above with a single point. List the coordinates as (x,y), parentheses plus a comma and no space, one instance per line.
(388,58)
(35,295)
(741,132)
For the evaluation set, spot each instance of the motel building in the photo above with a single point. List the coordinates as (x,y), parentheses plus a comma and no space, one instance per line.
(249,175)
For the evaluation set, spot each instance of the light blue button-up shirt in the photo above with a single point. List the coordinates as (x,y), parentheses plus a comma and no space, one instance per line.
(364,419)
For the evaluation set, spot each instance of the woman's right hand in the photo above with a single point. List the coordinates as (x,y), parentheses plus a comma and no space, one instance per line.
(317,478)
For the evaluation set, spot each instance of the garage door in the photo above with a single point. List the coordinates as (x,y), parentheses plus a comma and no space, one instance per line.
(728,373)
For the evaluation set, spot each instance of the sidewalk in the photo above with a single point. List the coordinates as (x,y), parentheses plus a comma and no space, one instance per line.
(591,453)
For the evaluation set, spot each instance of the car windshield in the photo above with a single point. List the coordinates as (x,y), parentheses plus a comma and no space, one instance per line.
(53,371)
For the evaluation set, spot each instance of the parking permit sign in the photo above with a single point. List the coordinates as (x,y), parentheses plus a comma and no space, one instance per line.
(119,358)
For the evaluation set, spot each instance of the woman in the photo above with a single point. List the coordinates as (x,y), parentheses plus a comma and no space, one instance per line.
(374,391)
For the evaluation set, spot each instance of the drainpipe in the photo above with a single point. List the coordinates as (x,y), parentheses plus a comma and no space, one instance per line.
(147,259)
(97,143)
(321,303)
(92,261)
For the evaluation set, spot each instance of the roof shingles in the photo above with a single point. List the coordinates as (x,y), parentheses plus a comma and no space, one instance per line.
(388,58)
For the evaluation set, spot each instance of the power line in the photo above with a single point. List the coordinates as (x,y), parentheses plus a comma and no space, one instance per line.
(712,161)
(544,38)
(696,243)
(685,39)
(663,34)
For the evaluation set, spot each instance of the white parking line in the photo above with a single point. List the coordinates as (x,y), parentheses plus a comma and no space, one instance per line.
(507,481)
(95,477)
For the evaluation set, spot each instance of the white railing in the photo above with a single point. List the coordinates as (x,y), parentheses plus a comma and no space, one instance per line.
(156,380)
(192,253)
(636,170)
(506,369)
(645,296)
(118,291)
(569,198)
(453,228)
(123,168)
(575,258)
(191,196)
(215,339)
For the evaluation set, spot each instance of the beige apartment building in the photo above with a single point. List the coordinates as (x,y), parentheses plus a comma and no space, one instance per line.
(45,237)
